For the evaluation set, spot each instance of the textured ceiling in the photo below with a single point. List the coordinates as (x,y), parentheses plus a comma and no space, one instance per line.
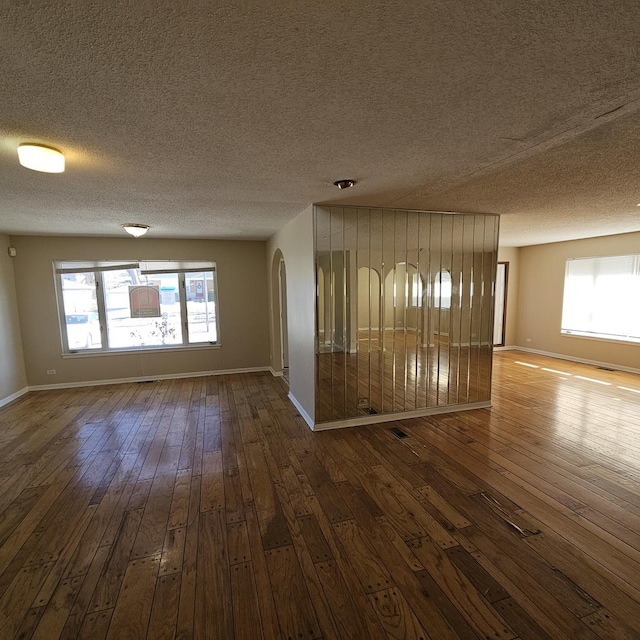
(226,121)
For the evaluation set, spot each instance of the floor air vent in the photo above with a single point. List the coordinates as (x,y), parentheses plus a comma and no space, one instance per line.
(399,433)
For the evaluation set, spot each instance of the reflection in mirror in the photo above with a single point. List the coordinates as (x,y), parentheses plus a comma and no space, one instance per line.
(442,289)
(404,310)
(321,308)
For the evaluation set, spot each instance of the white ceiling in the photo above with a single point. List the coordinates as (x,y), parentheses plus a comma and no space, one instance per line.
(226,121)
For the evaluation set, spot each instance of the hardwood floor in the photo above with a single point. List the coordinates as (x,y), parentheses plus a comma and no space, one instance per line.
(205,508)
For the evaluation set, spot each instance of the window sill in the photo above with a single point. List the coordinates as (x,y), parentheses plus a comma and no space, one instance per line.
(586,336)
(127,352)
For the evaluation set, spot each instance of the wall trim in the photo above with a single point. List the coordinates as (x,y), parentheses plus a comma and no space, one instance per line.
(563,356)
(165,376)
(414,329)
(509,347)
(391,417)
(470,344)
(276,374)
(13,396)
(306,417)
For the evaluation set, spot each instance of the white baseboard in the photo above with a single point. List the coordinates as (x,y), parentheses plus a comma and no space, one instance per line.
(306,417)
(387,328)
(167,376)
(276,374)
(469,344)
(563,356)
(509,347)
(390,417)
(13,396)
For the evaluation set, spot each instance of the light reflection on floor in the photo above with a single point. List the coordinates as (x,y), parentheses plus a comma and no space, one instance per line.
(570,375)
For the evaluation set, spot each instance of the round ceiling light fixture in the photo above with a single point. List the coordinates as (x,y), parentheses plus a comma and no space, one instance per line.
(39,157)
(344,184)
(135,229)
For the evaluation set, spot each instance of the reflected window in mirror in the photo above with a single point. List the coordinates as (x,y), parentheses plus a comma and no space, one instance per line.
(442,290)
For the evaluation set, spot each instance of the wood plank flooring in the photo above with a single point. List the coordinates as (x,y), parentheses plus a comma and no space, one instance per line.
(205,508)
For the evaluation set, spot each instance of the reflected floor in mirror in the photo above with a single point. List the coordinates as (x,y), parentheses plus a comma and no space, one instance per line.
(391,373)
(206,508)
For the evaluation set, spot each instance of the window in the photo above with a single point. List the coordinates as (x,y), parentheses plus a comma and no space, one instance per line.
(412,285)
(442,290)
(413,289)
(124,306)
(602,298)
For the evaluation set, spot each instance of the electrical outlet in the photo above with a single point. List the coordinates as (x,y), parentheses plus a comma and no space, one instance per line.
(51,372)
(527,339)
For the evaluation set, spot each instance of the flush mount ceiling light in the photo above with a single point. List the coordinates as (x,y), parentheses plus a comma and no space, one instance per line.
(135,229)
(344,184)
(39,157)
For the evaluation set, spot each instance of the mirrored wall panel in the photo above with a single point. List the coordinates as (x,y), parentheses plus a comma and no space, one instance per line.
(404,312)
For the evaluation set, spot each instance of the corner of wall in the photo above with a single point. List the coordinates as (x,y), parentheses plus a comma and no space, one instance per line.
(295,242)
(13,377)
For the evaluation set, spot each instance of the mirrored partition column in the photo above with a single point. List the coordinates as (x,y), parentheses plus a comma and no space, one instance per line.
(404,310)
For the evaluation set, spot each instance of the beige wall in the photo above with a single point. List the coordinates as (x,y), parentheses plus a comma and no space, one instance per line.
(242,298)
(512,256)
(541,283)
(295,242)
(13,378)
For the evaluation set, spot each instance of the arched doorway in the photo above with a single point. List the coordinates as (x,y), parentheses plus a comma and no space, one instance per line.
(403,290)
(368,299)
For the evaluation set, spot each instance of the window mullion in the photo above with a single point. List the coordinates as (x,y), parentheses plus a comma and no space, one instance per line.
(183,309)
(102,313)
(62,314)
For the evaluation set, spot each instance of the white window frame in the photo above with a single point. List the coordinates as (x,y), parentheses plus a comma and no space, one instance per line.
(597,264)
(177,267)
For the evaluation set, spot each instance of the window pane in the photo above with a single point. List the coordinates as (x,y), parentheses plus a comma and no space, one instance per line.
(602,297)
(82,324)
(442,290)
(158,326)
(201,307)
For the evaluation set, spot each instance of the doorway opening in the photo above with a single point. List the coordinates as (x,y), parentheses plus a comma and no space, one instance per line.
(280,333)
(282,298)
(500,315)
